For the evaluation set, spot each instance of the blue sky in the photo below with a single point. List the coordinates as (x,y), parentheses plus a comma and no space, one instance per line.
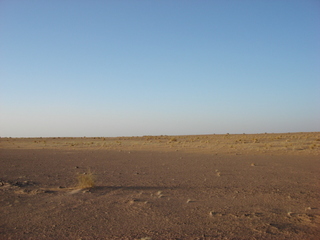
(129,68)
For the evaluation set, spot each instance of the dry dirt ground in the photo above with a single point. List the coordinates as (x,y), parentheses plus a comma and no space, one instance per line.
(263,186)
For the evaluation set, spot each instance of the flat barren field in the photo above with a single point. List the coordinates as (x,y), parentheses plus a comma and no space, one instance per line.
(245,186)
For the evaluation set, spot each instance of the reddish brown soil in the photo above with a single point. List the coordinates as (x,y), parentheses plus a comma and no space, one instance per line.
(157,191)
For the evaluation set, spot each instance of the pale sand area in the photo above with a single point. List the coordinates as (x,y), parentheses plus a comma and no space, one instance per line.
(246,186)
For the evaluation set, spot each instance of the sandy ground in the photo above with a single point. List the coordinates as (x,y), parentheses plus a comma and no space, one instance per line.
(263,186)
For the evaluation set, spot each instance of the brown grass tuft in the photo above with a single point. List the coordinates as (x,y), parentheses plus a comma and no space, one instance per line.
(86,180)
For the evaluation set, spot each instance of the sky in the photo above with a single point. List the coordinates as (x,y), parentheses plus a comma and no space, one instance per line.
(145,67)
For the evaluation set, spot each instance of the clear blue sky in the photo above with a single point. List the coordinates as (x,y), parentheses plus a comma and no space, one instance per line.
(127,68)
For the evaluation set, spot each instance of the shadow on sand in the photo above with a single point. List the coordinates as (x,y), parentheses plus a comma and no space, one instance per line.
(107,189)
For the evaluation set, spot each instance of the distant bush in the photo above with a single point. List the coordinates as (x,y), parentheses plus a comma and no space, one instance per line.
(86,180)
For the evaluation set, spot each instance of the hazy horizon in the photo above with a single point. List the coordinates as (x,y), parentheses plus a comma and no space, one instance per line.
(135,68)
(182,135)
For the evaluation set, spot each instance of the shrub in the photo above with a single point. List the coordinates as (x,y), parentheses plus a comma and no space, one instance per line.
(86,180)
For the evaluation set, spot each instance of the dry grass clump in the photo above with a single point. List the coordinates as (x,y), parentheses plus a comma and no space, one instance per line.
(86,180)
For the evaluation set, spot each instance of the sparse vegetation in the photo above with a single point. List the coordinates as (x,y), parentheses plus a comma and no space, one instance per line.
(230,143)
(86,180)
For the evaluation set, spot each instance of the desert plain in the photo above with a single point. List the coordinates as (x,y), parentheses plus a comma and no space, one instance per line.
(229,186)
